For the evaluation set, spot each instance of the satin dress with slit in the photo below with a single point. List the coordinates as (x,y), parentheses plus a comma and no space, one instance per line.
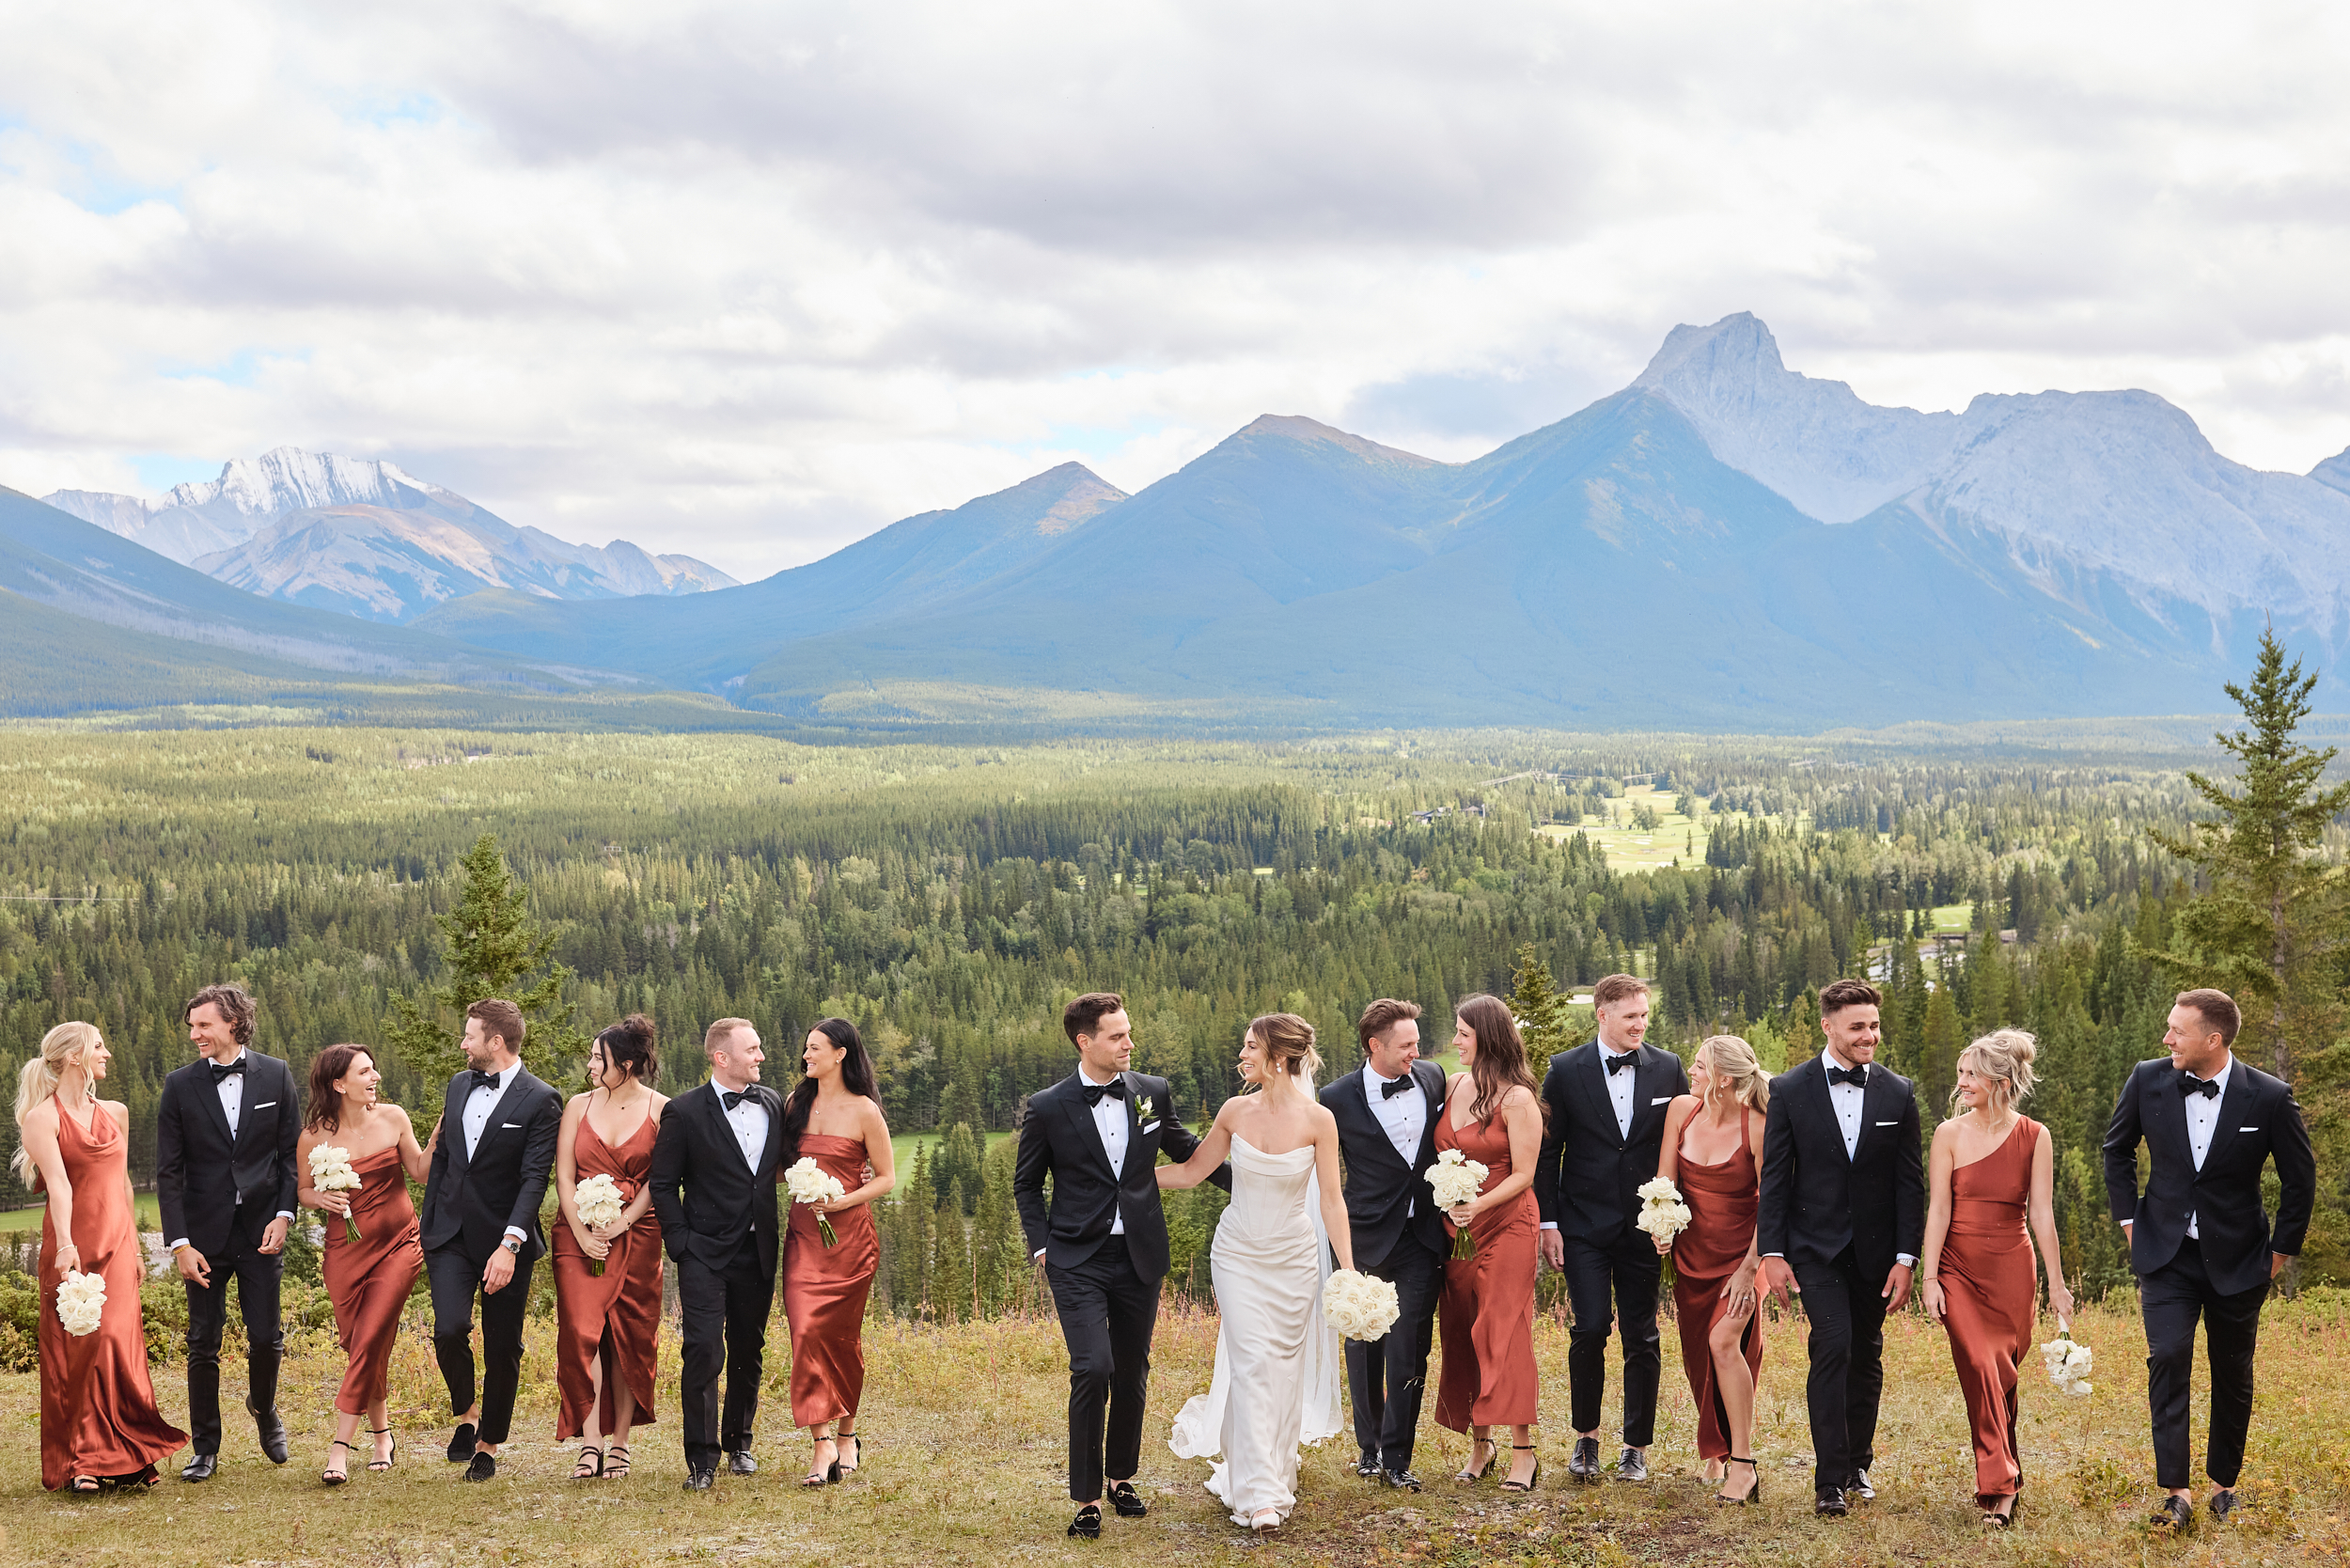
(824,1289)
(1486,1313)
(1723,1198)
(97,1411)
(1991,1299)
(368,1279)
(614,1317)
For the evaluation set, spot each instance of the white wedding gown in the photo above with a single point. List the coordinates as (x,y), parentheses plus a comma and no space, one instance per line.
(1277,1359)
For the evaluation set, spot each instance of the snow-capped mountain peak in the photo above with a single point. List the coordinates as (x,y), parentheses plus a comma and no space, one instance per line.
(291,479)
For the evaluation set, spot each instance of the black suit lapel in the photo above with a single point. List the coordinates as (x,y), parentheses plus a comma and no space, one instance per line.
(1651,1081)
(1081,1124)
(453,1119)
(2162,1120)
(211,1096)
(1817,1090)
(2236,1103)
(1591,1081)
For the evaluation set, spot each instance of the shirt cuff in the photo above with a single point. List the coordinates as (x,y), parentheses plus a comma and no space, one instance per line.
(1550,1224)
(1037,1253)
(178,1244)
(518,1232)
(1907,1259)
(285,1214)
(1775,1255)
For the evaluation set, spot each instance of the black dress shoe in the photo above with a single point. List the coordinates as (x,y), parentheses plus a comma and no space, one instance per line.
(1128,1503)
(1829,1503)
(1402,1481)
(2176,1514)
(272,1432)
(701,1477)
(461,1446)
(1632,1466)
(1858,1490)
(1583,1465)
(1087,1526)
(741,1463)
(1368,1467)
(2222,1504)
(484,1467)
(201,1467)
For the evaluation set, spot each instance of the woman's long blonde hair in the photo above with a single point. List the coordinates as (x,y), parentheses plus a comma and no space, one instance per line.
(60,1048)
(1736,1065)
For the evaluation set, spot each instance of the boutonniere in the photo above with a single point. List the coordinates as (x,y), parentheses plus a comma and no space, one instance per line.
(1145,1110)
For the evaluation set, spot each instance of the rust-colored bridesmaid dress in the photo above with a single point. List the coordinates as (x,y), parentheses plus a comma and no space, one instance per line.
(1991,1295)
(368,1279)
(824,1289)
(1486,1312)
(616,1315)
(1722,1200)
(97,1412)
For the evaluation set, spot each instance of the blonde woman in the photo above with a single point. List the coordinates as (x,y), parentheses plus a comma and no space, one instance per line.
(1277,1360)
(1713,1151)
(99,1423)
(1992,1170)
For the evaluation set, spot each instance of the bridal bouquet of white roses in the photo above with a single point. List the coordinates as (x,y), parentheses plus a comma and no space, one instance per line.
(1359,1306)
(1663,1214)
(82,1301)
(330,1172)
(2069,1362)
(808,1182)
(598,1202)
(1455,1179)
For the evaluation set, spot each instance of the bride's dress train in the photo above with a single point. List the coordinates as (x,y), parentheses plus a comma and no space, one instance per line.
(1276,1361)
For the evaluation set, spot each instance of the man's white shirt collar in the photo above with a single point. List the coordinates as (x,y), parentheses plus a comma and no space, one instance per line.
(1829,1058)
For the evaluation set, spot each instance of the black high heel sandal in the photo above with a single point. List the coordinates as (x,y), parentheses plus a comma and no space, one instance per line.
(1473,1472)
(856,1437)
(831,1472)
(1530,1481)
(84,1486)
(329,1476)
(616,1461)
(581,1472)
(1754,1496)
(377,1466)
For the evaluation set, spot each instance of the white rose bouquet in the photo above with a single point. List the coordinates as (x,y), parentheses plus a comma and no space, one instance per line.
(1455,1179)
(2069,1362)
(808,1182)
(1663,1214)
(81,1302)
(1359,1306)
(330,1172)
(598,1202)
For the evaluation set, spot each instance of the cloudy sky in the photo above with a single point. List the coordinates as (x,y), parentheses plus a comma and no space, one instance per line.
(750,280)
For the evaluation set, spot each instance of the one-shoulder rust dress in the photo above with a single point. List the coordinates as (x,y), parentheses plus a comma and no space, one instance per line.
(1991,1299)
(616,1315)
(368,1279)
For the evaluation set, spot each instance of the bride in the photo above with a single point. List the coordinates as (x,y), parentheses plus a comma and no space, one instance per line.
(1276,1382)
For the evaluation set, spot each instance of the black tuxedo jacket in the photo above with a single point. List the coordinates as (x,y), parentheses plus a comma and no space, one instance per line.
(469,1203)
(2258,1120)
(1059,1140)
(1386,1198)
(1589,1174)
(200,1171)
(1815,1202)
(702,1193)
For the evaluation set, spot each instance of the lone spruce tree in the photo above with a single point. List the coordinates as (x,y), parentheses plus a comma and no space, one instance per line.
(1541,1011)
(493,947)
(2268,926)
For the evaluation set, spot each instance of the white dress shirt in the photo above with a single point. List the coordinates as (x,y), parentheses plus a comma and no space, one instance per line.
(1849,1101)
(231,1092)
(1109,1118)
(475,1119)
(1623,1083)
(749,1120)
(2202,1120)
(1403,1117)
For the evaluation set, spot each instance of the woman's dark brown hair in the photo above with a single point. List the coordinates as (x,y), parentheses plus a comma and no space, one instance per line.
(631,1046)
(1500,1062)
(329,1067)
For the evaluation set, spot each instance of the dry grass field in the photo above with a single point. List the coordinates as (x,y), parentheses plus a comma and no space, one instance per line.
(963,1468)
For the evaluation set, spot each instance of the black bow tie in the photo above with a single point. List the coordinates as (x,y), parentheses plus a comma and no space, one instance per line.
(1615,1063)
(484,1080)
(1390,1088)
(2190,1084)
(220,1072)
(1115,1088)
(731,1099)
(1857,1076)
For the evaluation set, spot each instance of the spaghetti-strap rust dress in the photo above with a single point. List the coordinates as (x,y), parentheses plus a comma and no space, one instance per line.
(1991,1295)
(1723,1200)
(97,1411)
(368,1279)
(616,1315)
(824,1289)
(1486,1312)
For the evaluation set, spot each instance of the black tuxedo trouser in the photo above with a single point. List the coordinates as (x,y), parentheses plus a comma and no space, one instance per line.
(257,1275)
(722,1314)
(455,1280)
(1107,1313)
(2170,1299)
(1604,1284)
(1388,1375)
(1847,1313)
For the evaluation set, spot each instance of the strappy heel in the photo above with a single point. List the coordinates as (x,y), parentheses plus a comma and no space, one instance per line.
(1471,1473)
(581,1470)
(858,1438)
(829,1473)
(84,1486)
(336,1478)
(378,1467)
(1532,1481)
(1754,1496)
(616,1461)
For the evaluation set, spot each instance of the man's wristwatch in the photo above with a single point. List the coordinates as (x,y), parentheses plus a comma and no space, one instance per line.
(510,1244)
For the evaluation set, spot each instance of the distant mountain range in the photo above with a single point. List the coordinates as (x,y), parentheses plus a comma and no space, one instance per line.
(1724,544)
(363,538)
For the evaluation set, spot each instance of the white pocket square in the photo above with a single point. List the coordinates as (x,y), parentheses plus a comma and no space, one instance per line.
(266,1103)
(1150,1126)
(2247,1129)
(1662,1100)
(510,1124)
(1888,1124)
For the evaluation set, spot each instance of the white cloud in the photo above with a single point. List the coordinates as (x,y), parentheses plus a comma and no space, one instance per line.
(748,280)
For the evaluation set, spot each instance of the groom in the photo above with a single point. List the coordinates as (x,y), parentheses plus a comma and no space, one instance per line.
(2200,1241)
(1843,1213)
(1387,1116)
(1098,1133)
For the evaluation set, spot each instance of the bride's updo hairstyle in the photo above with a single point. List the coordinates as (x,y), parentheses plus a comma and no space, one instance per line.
(2004,1057)
(1289,1044)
